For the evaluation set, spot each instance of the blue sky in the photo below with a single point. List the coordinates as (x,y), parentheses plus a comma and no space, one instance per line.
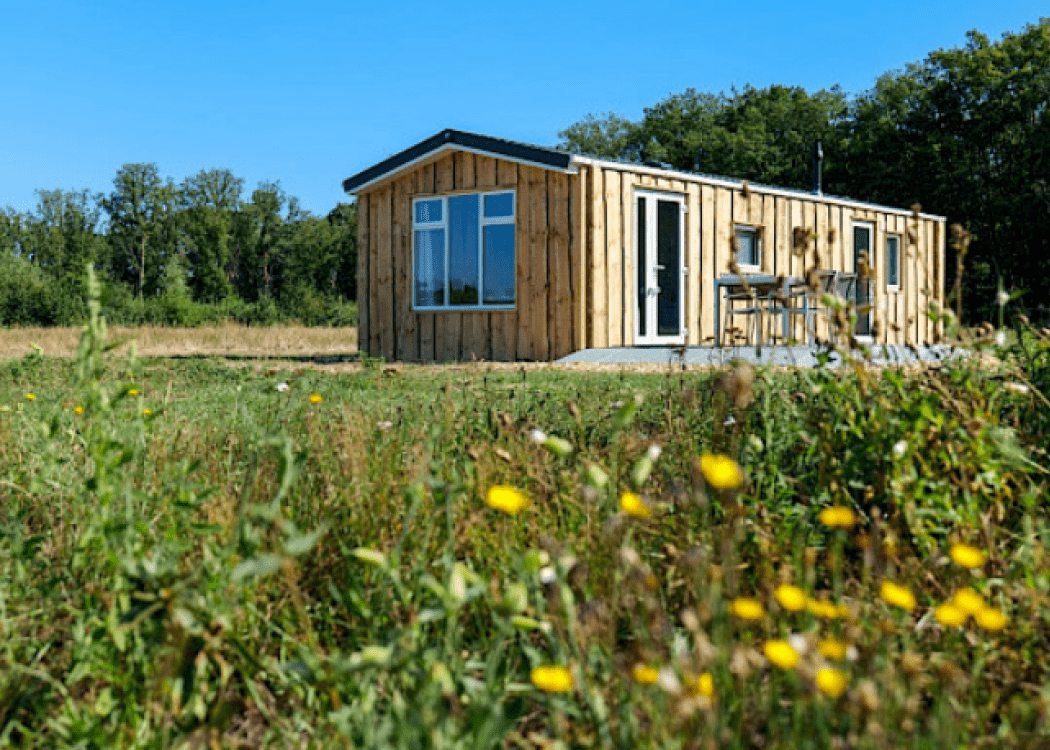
(311,92)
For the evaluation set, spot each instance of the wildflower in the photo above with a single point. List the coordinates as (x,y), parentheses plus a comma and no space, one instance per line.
(384,424)
(950,615)
(705,684)
(1003,298)
(538,436)
(30,397)
(798,642)
(645,674)
(133,391)
(967,556)
(838,517)
(669,681)
(899,448)
(1016,388)
(897,595)
(791,598)
(1000,338)
(747,609)
(832,648)
(282,387)
(316,398)
(721,472)
(146,412)
(552,679)
(654,452)
(823,610)
(968,600)
(506,499)
(78,410)
(633,506)
(781,654)
(831,682)
(990,618)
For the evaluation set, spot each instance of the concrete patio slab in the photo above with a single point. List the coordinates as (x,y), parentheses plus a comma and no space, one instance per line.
(784,356)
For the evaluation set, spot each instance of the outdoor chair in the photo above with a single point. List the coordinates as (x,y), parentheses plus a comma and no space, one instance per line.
(843,287)
(752,308)
(802,300)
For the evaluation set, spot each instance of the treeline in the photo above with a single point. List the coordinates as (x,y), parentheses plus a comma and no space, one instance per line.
(178,254)
(965,133)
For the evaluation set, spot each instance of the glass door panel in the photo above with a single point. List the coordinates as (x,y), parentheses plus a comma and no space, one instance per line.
(659,271)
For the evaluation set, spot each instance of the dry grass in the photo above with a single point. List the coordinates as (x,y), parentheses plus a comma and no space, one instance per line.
(222,340)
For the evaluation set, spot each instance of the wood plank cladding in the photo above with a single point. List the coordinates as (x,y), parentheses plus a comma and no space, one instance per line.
(575,259)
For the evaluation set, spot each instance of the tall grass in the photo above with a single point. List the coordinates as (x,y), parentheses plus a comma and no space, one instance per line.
(193,556)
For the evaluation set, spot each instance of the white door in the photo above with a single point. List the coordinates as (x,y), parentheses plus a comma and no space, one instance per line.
(659,261)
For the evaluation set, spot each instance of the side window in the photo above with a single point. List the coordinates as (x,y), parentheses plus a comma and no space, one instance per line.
(749,251)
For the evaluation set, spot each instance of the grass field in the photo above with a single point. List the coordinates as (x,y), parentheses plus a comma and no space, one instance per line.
(194,554)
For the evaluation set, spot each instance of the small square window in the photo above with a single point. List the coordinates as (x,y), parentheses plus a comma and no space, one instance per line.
(749,250)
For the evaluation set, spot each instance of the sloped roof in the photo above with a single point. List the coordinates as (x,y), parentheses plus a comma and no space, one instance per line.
(460,140)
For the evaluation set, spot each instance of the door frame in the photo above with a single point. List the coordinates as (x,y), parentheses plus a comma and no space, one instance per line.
(870,302)
(651,300)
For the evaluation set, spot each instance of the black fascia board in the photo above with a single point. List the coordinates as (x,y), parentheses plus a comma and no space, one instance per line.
(495,146)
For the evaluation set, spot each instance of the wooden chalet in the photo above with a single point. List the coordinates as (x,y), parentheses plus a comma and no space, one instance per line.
(477,248)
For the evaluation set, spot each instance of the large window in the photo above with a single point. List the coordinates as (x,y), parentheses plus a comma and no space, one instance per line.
(749,248)
(893,261)
(463,251)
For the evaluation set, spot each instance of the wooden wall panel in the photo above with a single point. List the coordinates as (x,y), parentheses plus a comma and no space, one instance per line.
(560,314)
(539,281)
(523,259)
(614,249)
(723,229)
(877,260)
(708,265)
(599,320)
(578,255)
(363,282)
(693,261)
(768,227)
(374,291)
(405,343)
(629,273)
(446,324)
(386,274)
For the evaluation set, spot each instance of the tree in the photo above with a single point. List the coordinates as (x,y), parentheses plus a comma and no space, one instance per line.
(142,233)
(209,200)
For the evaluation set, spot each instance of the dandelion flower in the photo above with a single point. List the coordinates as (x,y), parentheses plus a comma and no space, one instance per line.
(133,391)
(552,679)
(78,410)
(831,682)
(791,598)
(896,595)
(30,397)
(747,609)
(506,499)
(838,517)
(968,600)
(832,648)
(721,472)
(951,615)
(645,674)
(705,684)
(146,412)
(967,556)
(633,506)
(316,398)
(821,609)
(990,618)
(781,654)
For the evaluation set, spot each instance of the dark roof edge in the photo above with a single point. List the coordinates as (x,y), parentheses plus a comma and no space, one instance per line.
(469,141)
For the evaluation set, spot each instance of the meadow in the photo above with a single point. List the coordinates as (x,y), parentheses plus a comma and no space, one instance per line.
(196,552)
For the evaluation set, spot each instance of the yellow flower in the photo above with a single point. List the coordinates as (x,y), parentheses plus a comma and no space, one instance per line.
(78,410)
(990,618)
(968,600)
(632,505)
(897,595)
(967,556)
(133,391)
(552,679)
(747,609)
(705,683)
(831,682)
(506,499)
(824,610)
(832,648)
(30,397)
(791,598)
(316,398)
(645,674)
(951,615)
(838,517)
(147,412)
(721,472)
(781,653)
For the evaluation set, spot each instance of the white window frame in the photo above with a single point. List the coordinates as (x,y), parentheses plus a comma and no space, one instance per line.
(758,247)
(483,222)
(893,287)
